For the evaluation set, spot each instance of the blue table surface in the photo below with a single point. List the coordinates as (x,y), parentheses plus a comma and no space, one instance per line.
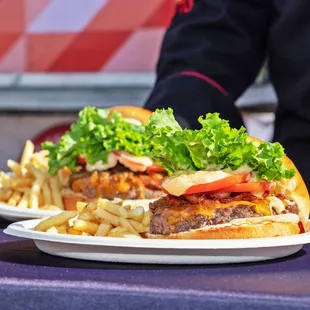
(30,279)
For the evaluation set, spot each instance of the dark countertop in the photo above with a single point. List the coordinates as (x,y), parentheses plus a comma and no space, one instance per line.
(30,279)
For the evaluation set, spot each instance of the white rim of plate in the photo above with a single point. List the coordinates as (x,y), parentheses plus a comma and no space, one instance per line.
(24,229)
(8,210)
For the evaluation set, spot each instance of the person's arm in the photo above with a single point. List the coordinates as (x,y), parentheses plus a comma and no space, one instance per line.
(209,57)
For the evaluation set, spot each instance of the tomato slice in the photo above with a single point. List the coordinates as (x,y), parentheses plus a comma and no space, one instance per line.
(250,187)
(81,159)
(216,185)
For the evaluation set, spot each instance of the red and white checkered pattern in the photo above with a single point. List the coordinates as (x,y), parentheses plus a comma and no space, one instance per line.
(82,35)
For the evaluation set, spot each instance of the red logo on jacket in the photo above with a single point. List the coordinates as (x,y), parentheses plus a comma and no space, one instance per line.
(184,6)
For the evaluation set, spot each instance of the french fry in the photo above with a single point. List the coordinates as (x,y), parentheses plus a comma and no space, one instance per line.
(129,235)
(15,167)
(139,227)
(62,229)
(81,205)
(31,176)
(3,176)
(15,198)
(125,223)
(56,196)
(136,214)
(27,153)
(147,218)
(41,199)
(91,207)
(40,159)
(23,189)
(24,201)
(46,194)
(21,183)
(103,229)
(102,218)
(113,219)
(35,191)
(86,226)
(5,194)
(56,220)
(52,230)
(44,153)
(37,161)
(118,232)
(85,216)
(72,231)
(112,208)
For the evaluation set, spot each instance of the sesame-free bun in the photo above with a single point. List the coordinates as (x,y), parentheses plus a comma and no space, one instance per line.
(246,231)
(137,113)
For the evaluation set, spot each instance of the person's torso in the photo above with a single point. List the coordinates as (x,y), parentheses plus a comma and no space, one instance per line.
(289,51)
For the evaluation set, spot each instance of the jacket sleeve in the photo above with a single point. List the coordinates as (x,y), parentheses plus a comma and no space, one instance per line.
(209,56)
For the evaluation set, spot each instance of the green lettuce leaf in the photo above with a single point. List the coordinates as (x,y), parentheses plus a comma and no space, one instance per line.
(215,146)
(94,135)
(166,136)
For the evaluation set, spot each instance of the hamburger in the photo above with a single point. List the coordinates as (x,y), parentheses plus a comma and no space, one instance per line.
(223,184)
(106,151)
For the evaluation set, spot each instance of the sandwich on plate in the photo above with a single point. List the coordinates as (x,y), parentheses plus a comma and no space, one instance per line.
(107,153)
(223,184)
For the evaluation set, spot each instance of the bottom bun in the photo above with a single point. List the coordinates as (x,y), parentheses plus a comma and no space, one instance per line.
(263,230)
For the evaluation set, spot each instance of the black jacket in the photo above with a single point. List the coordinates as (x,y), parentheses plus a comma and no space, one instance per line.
(213,53)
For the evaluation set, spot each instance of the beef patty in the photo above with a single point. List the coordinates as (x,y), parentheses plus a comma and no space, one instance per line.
(118,182)
(177,214)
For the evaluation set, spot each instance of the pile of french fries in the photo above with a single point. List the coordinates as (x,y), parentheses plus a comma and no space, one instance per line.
(29,185)
(102,218)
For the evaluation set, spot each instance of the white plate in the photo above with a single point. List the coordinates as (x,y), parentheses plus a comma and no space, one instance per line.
(13,214)
(156,251)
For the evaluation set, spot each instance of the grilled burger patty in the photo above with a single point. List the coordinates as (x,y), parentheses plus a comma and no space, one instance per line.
(179,214)
(118,182)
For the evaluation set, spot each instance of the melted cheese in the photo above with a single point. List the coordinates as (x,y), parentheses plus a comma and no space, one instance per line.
(178,184)
(174,215)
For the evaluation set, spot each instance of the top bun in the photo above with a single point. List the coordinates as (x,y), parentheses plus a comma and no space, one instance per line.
(137,113)
(294,188)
